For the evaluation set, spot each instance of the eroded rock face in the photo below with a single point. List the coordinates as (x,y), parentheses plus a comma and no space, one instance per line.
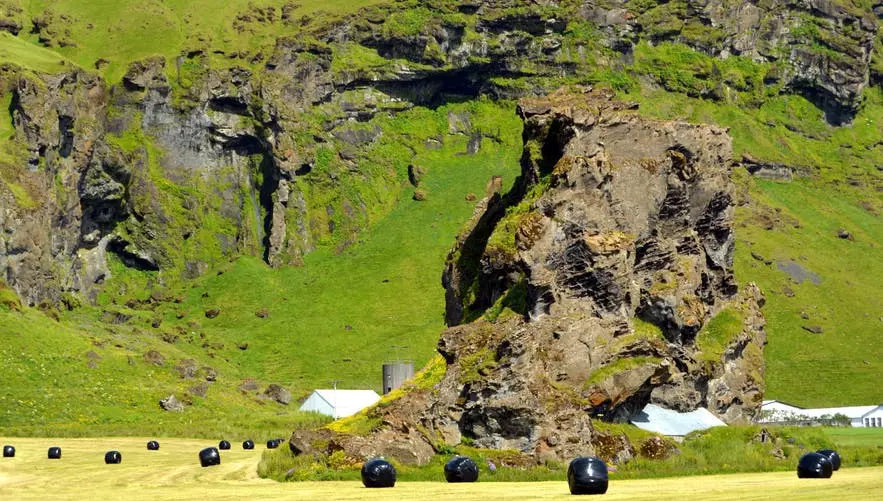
(822,49)
(145,168)
(615,252)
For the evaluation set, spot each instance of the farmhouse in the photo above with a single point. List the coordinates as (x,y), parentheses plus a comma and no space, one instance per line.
(860,416)
(675,424)
(339,403)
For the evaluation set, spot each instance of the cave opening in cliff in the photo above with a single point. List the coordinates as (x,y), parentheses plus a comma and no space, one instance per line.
(229,105)
(132,260)
(269,184)
(66,135)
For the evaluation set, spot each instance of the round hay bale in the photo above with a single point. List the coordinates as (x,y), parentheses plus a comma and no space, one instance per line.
(587,475)
(224,445)
(378,473)
(153,445)
(814,465)
(272,444)
(248,445)
(8,451)
(209,457)
(55,453)
(113,457)
(461,469)
(832,456)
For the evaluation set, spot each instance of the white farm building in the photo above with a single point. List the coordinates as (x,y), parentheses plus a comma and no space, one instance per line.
(860,416)
(339,403)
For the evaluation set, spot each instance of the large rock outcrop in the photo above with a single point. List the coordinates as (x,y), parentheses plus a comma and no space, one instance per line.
(602,282)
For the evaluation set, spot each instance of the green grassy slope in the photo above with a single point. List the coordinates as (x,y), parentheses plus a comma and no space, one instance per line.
(335,318)
(338,316)
(49,387)
(17,51)
(121,31)
(846,303)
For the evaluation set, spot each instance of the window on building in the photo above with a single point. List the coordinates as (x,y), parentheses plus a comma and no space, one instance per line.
(879,422)
(867,422)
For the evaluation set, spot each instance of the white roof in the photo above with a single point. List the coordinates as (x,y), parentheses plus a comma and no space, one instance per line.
(664,421)
(770,402)
(342,403)
(851,412)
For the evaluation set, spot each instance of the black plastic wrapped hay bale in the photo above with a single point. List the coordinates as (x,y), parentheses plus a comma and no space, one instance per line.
(461,469)
(113,457)
(814,465)
(224,445)
(832,456)
(8,451)
(55,453)
(587,475)
(272,444)
(378,473)
(248,445)
(153,445)
(209,457)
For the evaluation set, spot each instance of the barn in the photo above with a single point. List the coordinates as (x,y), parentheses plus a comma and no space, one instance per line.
(339,403)
(860,416)
(873,418)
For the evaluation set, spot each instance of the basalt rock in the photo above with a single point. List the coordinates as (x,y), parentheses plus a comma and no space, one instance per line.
(611,270)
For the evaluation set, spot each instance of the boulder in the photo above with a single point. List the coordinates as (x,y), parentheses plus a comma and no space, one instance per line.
(171,404)
(278,394)
(154,357)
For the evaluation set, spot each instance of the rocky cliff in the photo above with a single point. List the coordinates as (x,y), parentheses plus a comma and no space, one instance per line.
(602,282)
(191,161)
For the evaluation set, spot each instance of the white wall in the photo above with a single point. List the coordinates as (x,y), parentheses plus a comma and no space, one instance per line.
(315,403)
(780,407)
(872,419)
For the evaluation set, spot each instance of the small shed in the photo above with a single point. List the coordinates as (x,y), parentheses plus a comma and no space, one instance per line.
(339,403)
(671,423)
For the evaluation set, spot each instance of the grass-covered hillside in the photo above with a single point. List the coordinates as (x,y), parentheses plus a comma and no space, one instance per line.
(812,244)
(335,319)
(119,32)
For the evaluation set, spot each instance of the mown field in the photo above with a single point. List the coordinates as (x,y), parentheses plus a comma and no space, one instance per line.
(173,472)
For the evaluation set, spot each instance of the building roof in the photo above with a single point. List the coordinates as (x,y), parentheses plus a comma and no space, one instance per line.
(770,402)
(664,421)
(853,412)
(345,402)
